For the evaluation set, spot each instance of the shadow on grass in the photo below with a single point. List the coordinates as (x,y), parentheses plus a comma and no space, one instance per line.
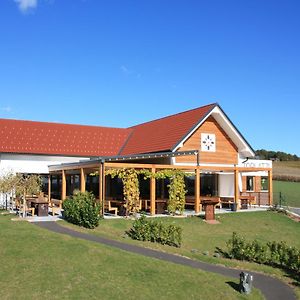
(234,285)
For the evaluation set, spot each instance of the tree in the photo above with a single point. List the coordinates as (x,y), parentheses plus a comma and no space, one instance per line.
(27,185)
(19,185)
(7,185)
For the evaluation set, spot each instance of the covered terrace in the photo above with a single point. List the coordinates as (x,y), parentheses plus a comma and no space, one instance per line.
(90,176)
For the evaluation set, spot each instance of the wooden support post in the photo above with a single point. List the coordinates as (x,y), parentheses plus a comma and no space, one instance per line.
(64,186)
(152,193)
(49,188)
(197,191)
(236,188)
(270,188)
(100,184)
(82,180)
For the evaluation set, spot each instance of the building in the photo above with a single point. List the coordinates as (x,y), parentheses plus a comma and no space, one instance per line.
(201,141)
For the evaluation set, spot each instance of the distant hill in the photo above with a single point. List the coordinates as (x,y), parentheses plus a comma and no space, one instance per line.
(276,155)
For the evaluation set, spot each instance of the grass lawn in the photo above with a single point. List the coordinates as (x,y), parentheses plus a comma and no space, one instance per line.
(38,264)
(199,237)
(290,192)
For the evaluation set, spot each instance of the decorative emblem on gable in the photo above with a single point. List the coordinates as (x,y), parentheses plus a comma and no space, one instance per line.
(208,142)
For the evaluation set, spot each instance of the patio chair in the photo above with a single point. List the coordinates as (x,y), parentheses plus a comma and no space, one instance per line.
(27,209)
(111,208)
(56,206)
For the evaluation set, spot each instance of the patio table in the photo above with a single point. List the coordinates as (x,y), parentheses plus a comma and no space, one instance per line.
(40,205)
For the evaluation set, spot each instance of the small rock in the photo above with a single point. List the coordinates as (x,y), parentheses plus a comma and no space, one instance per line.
(217,255)
(206,253)
(194,250)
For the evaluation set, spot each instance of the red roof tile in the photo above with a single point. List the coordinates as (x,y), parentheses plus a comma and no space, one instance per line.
(165,133)
(60,139)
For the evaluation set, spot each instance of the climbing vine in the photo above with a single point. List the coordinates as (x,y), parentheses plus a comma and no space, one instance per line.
(131,189)
(177,189)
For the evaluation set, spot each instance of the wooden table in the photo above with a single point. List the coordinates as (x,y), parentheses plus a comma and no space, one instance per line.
(40,205)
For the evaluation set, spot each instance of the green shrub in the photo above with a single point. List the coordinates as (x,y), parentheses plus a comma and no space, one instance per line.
(156,232)
(81,209)
(277,254)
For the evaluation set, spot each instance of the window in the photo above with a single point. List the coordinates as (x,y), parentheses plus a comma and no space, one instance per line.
(264,181)
(209,185)
(250,183)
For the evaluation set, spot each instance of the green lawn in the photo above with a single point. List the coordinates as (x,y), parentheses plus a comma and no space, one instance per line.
(199,237)
(38,264)
(290,192)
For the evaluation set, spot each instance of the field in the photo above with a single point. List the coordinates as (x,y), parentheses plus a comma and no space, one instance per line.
(38,264)
(200,240)
(290,192)
(286,169)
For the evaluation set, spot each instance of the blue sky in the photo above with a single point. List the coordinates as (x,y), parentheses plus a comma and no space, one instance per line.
(119,63)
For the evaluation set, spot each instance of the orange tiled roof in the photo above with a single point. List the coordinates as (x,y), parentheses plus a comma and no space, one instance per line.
(29,137)
(165,133)
(60,139)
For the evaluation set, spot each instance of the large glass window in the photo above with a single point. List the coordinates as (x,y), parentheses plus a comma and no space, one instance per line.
(92,184)
(264,183)
(209,185)
(250,183)
(190,185)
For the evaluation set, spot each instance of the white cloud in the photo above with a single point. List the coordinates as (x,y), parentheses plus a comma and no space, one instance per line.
(26,5)
(125,70)
(6,109)
(128,72)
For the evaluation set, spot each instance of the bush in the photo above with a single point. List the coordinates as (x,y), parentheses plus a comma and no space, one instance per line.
(156,232)
(277,254)
(81,209)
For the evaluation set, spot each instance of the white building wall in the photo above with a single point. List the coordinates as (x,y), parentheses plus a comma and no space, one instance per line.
(37,164)
(19,163)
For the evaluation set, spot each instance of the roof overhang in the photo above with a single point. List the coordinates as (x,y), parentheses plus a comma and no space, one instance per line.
(234,134)
(119,158)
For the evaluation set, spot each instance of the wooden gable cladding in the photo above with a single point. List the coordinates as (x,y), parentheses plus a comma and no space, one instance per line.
(226,151)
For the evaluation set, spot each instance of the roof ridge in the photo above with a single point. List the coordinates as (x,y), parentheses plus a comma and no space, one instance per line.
(65,124)
(179,113)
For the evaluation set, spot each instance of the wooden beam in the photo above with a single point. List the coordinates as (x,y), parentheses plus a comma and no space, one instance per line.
(100,184)
(64,185)
(236,188)
(270,188)
(197,191)
(49,187)
(88,164)
(152,193)
(82,180)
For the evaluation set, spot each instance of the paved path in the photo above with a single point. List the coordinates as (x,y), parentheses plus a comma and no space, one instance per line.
(272,288)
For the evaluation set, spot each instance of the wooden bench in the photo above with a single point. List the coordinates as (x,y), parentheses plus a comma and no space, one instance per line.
(226,201)
(247,200)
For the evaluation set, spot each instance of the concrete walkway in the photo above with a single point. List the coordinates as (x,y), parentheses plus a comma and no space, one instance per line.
(272,288)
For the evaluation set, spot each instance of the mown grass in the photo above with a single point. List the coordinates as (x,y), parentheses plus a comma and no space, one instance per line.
(290,192)
(38,264)
(200,238)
